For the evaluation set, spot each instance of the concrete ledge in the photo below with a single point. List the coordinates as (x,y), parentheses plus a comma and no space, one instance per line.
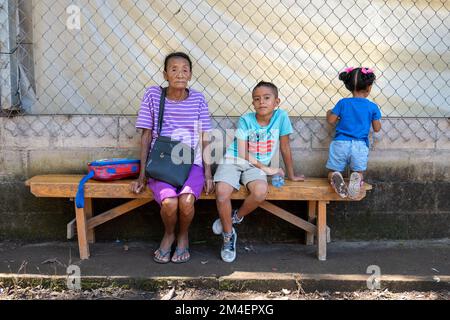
(239,281)
(328,282)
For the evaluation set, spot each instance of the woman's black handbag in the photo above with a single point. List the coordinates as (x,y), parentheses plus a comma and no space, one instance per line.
(169,160)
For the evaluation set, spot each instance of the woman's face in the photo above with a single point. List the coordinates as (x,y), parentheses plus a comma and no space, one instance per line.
(178,73)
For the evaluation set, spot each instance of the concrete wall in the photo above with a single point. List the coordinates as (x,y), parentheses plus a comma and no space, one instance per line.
(408,167)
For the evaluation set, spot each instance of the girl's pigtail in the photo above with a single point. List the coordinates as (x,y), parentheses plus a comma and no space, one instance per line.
(343,76)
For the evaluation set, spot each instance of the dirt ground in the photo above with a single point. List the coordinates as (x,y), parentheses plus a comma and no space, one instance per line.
(30,293)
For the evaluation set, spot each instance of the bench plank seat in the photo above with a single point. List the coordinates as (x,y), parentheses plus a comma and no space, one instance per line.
(317,191)
(66,186)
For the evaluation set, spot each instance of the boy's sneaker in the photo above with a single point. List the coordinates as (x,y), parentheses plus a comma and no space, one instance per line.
(217,225)
(228,252)
(338,184)
(354,186)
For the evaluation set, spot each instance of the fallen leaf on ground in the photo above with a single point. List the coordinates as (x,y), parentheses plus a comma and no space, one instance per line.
(169,295)
(286,291)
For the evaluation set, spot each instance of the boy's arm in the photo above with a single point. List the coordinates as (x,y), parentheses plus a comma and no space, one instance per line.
(244,154)
(287,158)
(376,125)
(331,117)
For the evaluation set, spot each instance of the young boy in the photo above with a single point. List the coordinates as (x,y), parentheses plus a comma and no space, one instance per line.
(247,160)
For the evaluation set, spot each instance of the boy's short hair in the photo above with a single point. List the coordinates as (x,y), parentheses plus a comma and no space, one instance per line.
(268,85)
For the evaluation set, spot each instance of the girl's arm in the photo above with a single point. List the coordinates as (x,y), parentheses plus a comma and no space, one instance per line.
(331,117)
(376,125)
(287,158)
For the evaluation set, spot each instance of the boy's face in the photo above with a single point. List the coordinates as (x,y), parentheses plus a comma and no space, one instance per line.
(178,73)
(264,101)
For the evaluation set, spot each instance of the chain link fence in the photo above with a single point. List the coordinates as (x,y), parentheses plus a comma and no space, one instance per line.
(95,58)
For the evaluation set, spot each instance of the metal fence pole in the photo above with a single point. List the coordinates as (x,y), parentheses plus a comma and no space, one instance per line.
(9,92)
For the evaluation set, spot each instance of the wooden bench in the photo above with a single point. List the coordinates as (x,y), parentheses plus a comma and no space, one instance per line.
(316,191)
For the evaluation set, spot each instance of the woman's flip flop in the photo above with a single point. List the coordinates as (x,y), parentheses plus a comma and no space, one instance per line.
(163,254)
(178,255)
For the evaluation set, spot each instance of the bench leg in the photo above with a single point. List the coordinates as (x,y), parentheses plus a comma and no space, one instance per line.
(312,211)
(72,224)
(88,214)
(82,233)
(322,231)
(71,229)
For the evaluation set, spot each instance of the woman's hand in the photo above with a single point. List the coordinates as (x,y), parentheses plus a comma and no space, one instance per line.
(209,184)
(138,185)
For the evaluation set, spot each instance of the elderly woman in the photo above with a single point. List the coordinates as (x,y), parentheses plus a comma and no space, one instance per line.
(186,111)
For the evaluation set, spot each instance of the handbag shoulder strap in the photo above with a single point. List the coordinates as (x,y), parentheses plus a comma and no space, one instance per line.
(161,109)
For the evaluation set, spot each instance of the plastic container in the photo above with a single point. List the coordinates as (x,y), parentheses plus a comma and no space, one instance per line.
(277,181)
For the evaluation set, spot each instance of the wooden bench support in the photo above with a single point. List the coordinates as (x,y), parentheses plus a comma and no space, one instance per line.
(312,218)
(86,223)
(289,217)
(82,232)
(328,234)
(312,212)
(317,191)
(71,229)
(117,211)
(88,213)
(322,230)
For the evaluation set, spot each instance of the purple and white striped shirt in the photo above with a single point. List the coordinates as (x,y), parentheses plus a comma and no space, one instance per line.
(183,120)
